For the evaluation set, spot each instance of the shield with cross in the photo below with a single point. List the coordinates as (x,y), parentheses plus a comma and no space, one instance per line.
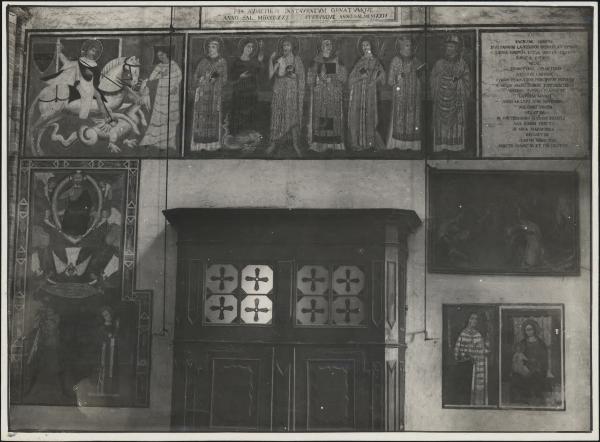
(313,280)
(348,310)
(348,280)
(256,310)
(312,310)
(221,278)
(220,309)
(257,279)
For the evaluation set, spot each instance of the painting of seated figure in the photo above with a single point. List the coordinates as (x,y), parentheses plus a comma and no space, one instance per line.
(78,329)
(532,360)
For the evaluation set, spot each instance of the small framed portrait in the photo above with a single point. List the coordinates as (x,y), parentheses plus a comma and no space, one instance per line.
(532,366)
(503,356)
(470,356)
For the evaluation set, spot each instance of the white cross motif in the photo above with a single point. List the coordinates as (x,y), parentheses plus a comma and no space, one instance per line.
(221,278)
(257,279)
(313,280)
(256,310)
(348,280)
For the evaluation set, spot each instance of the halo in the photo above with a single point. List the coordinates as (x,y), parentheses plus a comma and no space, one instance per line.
(293,40)
(412,38)
(242,42)
(454,38)
(92,43)
(533,323)
(375,44)
(334,43)
(66,180)
(216,38)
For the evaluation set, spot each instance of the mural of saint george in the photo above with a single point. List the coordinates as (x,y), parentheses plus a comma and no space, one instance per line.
(108,95)
(342,95)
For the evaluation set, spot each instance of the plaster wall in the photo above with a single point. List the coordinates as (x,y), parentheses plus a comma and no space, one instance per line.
(326,184)
(345,184)
(424,353)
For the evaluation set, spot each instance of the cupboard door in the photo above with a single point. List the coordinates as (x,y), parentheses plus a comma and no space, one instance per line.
(333,390)
(223,388)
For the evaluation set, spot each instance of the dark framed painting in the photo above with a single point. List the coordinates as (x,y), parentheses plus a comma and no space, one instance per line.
(470,356)
(503,356)
(103,95)
(532,367)
(503,222)
(80,333)
(305,95)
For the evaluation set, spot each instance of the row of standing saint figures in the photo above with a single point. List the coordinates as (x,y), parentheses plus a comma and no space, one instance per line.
(326,80)
(329,86)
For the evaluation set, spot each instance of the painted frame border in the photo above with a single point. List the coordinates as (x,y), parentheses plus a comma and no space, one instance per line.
(526,307)
(25,151)
(143,298)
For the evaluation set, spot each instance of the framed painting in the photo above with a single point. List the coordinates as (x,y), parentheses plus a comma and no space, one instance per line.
(305,95)
(103,95)
(470,356)
(503,356)
(532,368)
(503,222)
(80,334)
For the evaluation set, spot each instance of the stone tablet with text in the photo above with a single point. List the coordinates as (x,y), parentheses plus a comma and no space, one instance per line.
(535,94)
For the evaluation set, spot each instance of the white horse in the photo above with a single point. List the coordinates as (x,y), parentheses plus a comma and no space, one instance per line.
(118,81)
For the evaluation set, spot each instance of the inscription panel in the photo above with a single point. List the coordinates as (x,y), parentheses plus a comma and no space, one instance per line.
(535,91)
(288,16)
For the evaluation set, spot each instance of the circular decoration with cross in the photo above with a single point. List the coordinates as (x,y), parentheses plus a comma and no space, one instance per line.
(312,310)
(257,279)
(348,310)
(220,308)
(221,278)
(348,280)
(313,280)
(257,310)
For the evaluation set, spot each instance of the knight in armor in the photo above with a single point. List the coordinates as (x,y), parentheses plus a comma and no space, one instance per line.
(82,76)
